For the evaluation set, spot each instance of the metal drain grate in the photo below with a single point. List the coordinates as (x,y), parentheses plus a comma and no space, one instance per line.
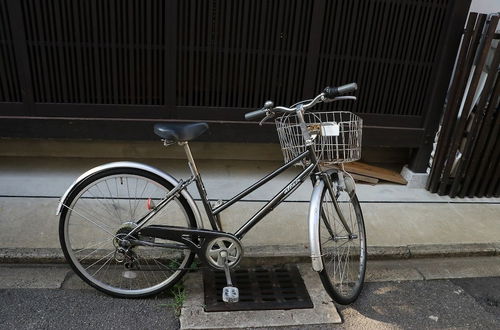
(261,288)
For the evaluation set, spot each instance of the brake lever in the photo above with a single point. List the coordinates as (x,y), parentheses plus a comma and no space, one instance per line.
(269,115)
(340,98)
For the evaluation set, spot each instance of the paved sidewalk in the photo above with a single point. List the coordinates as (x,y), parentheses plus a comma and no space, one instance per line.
(399,294)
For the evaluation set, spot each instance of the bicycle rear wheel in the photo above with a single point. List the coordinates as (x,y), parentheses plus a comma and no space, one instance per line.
(343,253)
(99,214)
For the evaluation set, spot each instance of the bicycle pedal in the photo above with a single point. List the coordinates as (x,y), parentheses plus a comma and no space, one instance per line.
(230,294)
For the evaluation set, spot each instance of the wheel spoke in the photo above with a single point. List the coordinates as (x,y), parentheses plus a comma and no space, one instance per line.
(95,223)
(104,264)
(113,201)
(95,262)
(93,219)
(342,257)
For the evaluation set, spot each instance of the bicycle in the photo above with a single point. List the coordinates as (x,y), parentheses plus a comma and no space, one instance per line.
(131,230)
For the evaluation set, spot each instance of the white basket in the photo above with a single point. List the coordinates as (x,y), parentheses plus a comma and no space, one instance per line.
(336,135)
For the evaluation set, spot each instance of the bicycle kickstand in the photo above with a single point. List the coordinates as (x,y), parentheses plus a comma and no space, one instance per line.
(230,293)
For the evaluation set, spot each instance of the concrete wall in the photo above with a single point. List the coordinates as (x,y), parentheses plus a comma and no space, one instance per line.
(485,6)
(35,173)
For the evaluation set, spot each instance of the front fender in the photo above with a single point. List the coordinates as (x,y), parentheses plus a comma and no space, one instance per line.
(140,166)
(314,218)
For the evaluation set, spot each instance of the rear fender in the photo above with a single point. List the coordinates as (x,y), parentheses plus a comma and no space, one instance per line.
(139,166)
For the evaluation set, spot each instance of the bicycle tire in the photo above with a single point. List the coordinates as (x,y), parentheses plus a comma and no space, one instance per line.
(337,260)
(102,196)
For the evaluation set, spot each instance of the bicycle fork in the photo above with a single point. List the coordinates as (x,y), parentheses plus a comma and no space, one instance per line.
(315,214)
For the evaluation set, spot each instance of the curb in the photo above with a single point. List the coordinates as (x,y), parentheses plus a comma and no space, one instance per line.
(31,256)
(262,255)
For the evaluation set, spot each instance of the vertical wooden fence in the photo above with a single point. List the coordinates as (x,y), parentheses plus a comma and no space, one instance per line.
(467,156)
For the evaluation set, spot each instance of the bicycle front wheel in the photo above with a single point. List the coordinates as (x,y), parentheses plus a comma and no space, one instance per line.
(100,213)
(343,248)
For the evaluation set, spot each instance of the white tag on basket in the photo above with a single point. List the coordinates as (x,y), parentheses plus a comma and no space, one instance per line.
(330,129)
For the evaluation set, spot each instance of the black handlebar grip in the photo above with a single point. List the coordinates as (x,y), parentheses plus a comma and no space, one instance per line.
(332,92)
(347,88)
(257,114)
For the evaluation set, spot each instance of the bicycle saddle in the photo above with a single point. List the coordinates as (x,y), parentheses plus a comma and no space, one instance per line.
(180,132)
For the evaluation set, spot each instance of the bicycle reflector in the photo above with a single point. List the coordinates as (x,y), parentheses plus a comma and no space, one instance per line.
(150,204)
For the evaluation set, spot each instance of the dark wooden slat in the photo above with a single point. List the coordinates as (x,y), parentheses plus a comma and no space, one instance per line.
(378,74)
(496,193)
(386,46)
(12,89)
(428,51)
(369,32)
(85,30)
(55,63)
(21,53)
(35,60)
(401,41)
(113,23)
(495,178)
(78,51)
(226,56)
(413,28)
(474,142)
(66,51)
(276,60)
(459,131)
(494,136)
(489,171)
(97,61)
(44,51)
(170,63)
(451,109)
(5,78)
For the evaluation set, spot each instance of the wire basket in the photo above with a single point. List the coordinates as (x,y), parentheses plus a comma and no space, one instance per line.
(336,136)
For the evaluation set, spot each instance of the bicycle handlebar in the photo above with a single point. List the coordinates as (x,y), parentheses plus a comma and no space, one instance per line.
(329,94)
(332,92)
(257,114)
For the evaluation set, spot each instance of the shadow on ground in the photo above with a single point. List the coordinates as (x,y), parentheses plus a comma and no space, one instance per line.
(420,304)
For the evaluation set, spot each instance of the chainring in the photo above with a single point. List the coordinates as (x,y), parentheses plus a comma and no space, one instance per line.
(213,248)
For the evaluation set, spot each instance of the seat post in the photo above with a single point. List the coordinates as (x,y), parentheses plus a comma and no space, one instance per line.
(189,155)
(214,222)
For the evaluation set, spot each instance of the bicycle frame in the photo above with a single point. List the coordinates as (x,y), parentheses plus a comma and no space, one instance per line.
(213,212)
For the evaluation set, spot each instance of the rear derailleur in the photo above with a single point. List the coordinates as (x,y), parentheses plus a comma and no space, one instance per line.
(124,252)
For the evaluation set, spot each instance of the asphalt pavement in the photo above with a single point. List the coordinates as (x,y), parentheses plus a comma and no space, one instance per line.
(51,297)
(82,309)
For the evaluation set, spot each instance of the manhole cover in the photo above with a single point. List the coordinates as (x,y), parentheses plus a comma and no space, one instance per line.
(261,288)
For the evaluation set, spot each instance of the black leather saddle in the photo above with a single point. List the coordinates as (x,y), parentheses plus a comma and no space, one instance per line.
(180,132)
